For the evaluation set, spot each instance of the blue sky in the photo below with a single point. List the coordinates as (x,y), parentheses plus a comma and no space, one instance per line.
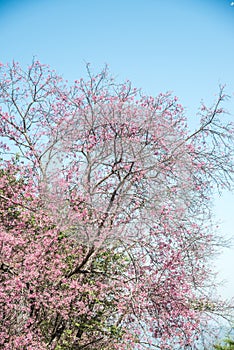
(184,46)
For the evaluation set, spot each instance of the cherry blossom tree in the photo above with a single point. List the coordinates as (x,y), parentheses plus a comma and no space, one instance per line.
(106,230)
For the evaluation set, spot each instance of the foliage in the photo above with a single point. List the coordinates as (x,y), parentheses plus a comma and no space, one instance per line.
(229,345)
(105,221)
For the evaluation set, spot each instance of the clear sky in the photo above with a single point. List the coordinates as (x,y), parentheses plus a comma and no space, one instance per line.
(184,46)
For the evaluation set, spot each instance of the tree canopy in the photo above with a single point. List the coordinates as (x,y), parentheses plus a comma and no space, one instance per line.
(105,225)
